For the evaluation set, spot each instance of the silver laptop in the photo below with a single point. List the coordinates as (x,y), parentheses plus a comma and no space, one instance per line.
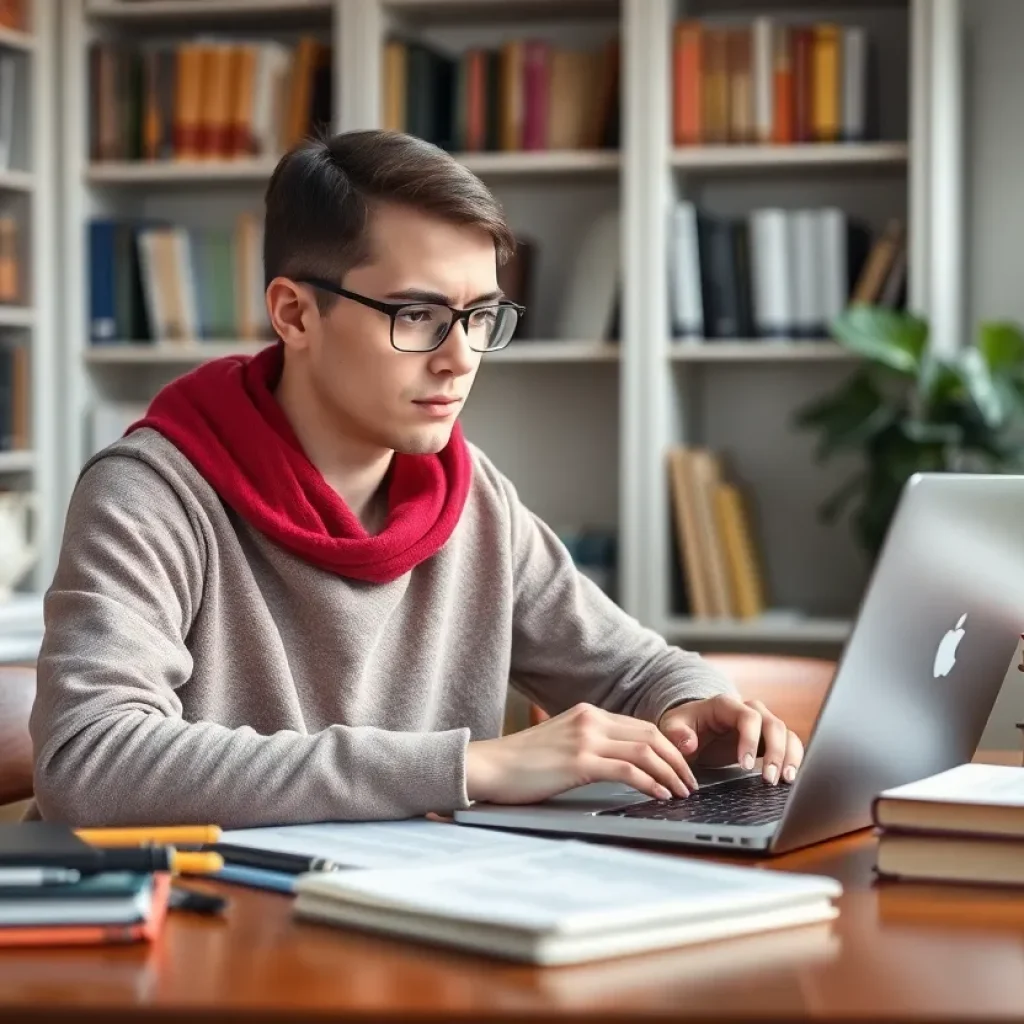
(935,636)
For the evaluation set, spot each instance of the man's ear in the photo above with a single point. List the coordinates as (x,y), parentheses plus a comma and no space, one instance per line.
(292,311)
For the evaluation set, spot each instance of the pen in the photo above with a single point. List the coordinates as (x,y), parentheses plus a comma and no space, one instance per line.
(174,835)
(273,860)
(11,877)
(156,858)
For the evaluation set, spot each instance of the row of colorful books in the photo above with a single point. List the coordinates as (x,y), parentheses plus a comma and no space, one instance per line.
(769,81)
(527,94)
(206,98)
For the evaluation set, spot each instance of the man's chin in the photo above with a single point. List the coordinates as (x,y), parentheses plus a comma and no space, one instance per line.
(426,442)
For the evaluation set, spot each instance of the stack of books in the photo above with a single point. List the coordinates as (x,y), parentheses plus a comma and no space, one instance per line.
(721,566)
(964,825)
(58,888)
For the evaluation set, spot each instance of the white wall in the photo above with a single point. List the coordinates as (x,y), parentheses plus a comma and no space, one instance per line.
(994,173)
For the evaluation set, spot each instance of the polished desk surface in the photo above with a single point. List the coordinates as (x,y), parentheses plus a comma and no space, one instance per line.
(897,950)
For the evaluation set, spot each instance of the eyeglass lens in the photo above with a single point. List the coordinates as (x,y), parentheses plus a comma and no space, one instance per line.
(420,328)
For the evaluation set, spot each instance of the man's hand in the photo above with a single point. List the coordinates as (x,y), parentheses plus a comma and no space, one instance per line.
(726,730)
(581,745)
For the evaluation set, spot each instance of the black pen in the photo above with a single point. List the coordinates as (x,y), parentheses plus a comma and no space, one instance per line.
(272,860)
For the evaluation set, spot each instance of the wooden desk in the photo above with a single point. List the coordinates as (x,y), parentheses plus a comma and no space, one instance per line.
(897,951)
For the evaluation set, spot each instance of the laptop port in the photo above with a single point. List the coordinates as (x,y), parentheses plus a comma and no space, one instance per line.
(705,839)
(725,839)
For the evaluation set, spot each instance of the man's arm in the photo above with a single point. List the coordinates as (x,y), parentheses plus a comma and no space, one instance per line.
(111,745)
(573,644)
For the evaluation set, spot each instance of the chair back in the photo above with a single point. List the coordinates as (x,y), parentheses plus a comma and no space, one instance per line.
(790,686)
(17,692)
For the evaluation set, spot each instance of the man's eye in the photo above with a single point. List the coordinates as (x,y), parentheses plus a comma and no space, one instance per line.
(415,316)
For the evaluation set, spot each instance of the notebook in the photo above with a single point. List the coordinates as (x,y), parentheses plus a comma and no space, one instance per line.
(115,897)
(90,933)
(565,902)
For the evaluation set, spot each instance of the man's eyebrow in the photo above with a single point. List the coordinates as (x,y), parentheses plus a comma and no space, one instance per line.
(423,295)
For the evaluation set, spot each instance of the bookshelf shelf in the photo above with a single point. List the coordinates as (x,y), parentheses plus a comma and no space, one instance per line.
(17,181)
(129,353)
(767,629)
(556,352)
(185,353)
(17,462)
(17,316)
(15,40)
(440,12)
(719,158)
(205,10)
(757,350)
(541,162)
(179,172)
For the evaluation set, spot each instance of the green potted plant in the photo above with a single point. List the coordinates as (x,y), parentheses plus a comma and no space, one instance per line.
(906,409)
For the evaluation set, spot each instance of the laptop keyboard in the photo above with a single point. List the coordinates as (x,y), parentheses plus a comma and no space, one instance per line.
(746,801)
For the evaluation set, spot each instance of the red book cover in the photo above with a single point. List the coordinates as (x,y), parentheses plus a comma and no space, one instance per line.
(803,84)
(535,87)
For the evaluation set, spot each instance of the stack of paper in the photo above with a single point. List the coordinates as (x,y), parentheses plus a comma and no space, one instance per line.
(554,902)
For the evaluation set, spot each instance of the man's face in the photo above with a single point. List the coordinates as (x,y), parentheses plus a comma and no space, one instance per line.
(402,401)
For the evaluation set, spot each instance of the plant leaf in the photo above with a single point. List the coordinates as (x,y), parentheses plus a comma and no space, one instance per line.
(895,339)
(982,387)
(1002,345)
(923,432)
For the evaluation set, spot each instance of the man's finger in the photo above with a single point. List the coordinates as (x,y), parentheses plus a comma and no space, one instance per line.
(775,736)
(634,729)
(646,758)
(794,757)
(730,712)
(603,769)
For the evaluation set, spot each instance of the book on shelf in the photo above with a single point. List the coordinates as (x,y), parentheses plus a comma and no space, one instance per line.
(206,98)
(964,825)
(10,261)
(721,569)
(526,95)
(766,81)
(15,397)
(14,14)
(777,272)
(170,283)
(9,98)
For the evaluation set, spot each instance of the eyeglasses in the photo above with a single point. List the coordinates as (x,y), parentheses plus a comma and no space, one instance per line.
(423,326)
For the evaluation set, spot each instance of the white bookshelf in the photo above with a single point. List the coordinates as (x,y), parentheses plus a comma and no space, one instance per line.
(198,352)
(769,157)
(28,192)
(580,425)
(768,629)
(757,350)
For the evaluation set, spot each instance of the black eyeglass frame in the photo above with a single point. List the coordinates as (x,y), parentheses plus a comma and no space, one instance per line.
(392,310)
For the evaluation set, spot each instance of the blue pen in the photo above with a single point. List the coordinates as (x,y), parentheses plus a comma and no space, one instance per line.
(258,878)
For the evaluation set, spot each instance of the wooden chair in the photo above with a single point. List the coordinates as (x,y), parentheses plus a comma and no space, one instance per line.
(17,692)
(791,687)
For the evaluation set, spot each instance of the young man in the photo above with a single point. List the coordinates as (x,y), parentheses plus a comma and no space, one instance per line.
(293,592)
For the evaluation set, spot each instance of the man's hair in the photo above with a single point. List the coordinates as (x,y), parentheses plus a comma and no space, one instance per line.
(321,192)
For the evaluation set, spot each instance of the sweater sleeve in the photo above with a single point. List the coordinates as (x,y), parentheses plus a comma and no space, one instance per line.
(572,643)
(111,744)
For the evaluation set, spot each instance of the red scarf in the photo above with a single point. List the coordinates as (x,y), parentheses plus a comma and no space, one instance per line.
(224,418)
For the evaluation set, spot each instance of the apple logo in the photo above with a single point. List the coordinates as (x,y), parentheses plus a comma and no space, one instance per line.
(945,656)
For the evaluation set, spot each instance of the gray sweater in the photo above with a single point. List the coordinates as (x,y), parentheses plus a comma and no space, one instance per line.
(194,671)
